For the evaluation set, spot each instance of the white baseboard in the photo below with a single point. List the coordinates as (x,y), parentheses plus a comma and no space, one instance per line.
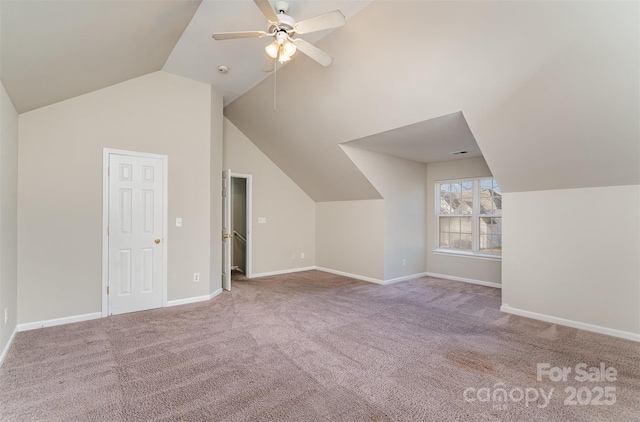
(377,280)
(466,280)
(215,293)
(8,346)
(95,315)
(280,272)
(342,273)
(405,278)
(570,323)
(195,299)
(350,275)
(58,321)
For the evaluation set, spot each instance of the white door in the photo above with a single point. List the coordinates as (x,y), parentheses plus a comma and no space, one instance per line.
(136,224)
(226,229)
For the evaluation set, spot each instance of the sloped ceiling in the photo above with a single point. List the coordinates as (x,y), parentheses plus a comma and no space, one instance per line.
(197,56)
(55,50)
(550,91)
(443,138)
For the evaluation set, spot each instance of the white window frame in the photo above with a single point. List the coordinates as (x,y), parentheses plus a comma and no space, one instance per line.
(475,222)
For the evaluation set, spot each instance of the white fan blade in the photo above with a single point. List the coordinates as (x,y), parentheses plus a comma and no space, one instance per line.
(326,21)
(269,65)
(267,10)
(241,34)
(314,52)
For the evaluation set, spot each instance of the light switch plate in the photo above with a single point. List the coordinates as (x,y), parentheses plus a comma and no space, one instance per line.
(178,222)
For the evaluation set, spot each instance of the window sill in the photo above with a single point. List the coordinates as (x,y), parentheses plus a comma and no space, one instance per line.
(465,254)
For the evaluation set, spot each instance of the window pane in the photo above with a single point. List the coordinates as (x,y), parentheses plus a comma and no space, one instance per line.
(445,198)
(490,197)
(444,240)
(486,201)
(465,225)
(497,198)
(454,225)
(456,198)
(485,243)
(444,225)
(466,198)
(485,225)
(465,242)
(455,232)
(490,234)
(454,240)
(444,232)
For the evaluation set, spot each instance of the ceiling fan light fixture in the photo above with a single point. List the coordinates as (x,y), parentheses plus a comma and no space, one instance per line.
(272,49)
(282,27)
(289,48)
(283,56)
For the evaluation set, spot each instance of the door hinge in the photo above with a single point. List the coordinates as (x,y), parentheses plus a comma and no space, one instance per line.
(107,289)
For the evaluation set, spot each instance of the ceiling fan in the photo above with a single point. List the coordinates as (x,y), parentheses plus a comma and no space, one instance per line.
(282,28)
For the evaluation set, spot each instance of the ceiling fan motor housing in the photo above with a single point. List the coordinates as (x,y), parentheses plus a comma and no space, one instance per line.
(286,23)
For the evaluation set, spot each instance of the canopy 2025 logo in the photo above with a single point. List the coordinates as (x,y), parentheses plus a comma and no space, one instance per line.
(597,395)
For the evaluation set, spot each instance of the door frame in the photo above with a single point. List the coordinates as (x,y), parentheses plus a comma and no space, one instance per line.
(105,220)
(248,196)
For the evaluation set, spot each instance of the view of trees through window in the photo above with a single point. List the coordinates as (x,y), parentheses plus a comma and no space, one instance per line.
(470,215)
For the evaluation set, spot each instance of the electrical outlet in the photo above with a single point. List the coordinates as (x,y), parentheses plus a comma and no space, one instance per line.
(404,262)
(302,255)
(196,277)
(6,315)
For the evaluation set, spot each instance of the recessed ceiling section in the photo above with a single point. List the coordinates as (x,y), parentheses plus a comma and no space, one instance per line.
(438,139)
(56,50)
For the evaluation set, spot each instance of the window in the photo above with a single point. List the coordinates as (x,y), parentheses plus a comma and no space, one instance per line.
(469,216)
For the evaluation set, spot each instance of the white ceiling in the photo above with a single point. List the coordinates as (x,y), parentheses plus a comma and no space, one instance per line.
(197,56)
(55,50)
(52,50)
(549,90)
(430,141)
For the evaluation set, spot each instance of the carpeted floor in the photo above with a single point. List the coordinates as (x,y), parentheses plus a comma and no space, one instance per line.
(314,346)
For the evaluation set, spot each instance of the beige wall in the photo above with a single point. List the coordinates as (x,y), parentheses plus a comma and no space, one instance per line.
(8,217)
(60,189)
(290,213)
(350,237)
(573,254)
(403,185)
(456,266)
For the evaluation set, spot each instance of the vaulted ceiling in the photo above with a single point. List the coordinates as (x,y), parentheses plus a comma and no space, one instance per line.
(55,50)
(52,50)
(548,92)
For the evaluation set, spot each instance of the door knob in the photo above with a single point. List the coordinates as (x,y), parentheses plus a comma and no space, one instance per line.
(157,241)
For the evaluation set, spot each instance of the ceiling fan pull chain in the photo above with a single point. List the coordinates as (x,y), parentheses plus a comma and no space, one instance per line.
(275,77)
